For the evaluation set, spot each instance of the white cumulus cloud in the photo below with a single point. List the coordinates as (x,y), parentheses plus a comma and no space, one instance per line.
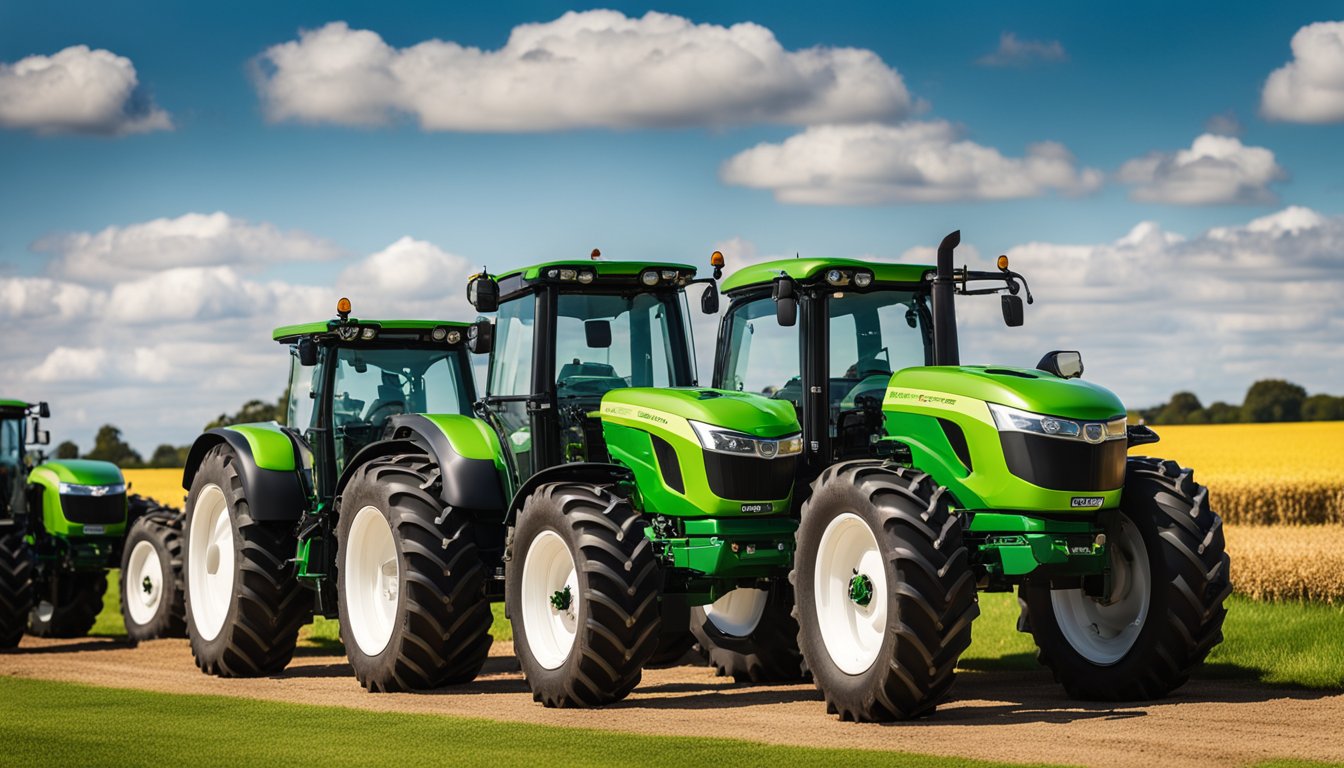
(77,90)
(1310,88)
(586,69)
(1214,170)
(192,240)
(1016,52)
(913,162)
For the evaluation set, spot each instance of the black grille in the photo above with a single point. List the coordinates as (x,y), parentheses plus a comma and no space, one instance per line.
(748,478)
(102,510)
(1065,465)
(668,465)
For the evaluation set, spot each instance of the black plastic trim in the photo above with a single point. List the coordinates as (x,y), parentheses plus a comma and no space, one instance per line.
(1065,465)
(273,496)
(957,438)
(668,465)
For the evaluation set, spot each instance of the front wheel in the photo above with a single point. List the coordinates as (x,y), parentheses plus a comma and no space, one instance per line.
(69,605)
(750,635)
(582,588)
(1164,612)
(412,598)
(244,606)
(16,588)
(151,581)
(885,591)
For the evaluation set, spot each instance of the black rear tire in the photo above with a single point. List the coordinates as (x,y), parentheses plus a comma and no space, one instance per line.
(163,533)
(931,599)
(617,620)
(16,588)
(1189,581)
(767,653)
(267,605)
(441,627)
(70,605)
(672,648)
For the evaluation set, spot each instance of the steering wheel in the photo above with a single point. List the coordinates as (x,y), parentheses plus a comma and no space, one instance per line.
(392,408)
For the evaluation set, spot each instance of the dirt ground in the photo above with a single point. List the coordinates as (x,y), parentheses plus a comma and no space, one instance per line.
(1015,716)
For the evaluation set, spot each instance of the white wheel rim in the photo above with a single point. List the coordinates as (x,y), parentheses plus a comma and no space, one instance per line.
(372,581)
(1103,634)
(45,610)
(210,562)
(144,582)
(852,633)
(548,572)
(737,613)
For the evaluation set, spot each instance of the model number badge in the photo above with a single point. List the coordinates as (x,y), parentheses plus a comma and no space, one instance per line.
(748,509)
(1086,501)
(94,530)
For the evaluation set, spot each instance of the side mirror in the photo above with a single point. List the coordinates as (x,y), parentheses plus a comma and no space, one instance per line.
(40,435)
(786,301)
(597,333)
(1012,310)
(483,293)
(307,352)
(709,300)
(481,337)
(44,410)
(1066,365)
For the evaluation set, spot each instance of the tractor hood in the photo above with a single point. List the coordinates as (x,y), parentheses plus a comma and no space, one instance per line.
(1025,388)
(670,408)
(82,472)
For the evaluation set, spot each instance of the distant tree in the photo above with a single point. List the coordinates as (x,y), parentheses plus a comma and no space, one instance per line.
(251,412)
(1223,413)
(1180,409)
(1323,408)
(67,450)
(1273,400)
(167,456)
(108,446)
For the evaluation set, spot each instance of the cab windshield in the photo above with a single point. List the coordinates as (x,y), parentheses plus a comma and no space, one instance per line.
(873,335)
(11,463)
(605,342)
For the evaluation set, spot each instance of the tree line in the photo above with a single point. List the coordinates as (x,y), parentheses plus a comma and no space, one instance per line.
(108,444)
(1267,400)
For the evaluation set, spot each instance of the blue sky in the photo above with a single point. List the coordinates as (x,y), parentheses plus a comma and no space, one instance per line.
(1125,81)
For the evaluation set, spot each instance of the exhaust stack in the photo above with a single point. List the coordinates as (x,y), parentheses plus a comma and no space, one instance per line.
(944,311)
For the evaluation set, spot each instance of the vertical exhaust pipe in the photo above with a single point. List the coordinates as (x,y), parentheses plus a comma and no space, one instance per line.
(944,312)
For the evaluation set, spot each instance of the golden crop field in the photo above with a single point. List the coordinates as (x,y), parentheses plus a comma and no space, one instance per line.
(1288,562)
(162,485)
(1263,473)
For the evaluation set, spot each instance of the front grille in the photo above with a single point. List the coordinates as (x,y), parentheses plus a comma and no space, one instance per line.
(748,478)
(1065,465)
(98,510)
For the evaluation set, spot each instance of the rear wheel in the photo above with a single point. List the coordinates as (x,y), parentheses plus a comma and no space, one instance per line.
(69,605)
(582,588)
(1169,578)
(16,588)
(244,606)
(750,635)
(152,602)
(413,608)
(885,592)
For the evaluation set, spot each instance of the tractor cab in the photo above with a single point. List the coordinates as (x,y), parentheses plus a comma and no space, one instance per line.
(350,377)
(568,333)
(19,427)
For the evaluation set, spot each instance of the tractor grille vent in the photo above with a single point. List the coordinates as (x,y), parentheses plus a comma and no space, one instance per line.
(748,478)
(1065,465)
(98,510)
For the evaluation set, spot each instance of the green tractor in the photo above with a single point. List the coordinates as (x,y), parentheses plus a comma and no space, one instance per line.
(925,480)
(63,524)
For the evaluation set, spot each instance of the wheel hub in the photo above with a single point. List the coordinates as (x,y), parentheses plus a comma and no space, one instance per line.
(561,599)
(861,588)
(147,584)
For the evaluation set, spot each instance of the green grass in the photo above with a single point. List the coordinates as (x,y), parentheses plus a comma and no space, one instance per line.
(51,723)
(1295,644)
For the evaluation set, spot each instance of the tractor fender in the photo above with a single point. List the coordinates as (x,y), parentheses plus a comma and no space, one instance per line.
(466,449)
(581,472)
(267,465)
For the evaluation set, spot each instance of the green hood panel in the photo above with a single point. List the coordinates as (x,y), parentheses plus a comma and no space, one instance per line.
(81,472)
(806,269)
(671,409)
(1024,388)
(271,447)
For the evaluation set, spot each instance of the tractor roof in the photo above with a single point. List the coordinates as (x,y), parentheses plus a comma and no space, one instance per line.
(13,409)
(13,403)
(602,268)
(805,269)
(287,332)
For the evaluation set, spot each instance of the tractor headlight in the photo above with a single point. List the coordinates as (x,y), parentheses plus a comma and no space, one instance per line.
(863,279)
(728,441)
(649,277)
(74,489)
(1013,420)
(585,277)
(454,337)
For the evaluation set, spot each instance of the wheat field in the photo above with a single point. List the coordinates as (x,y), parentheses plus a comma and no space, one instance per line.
(1261,474)
(161,485)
